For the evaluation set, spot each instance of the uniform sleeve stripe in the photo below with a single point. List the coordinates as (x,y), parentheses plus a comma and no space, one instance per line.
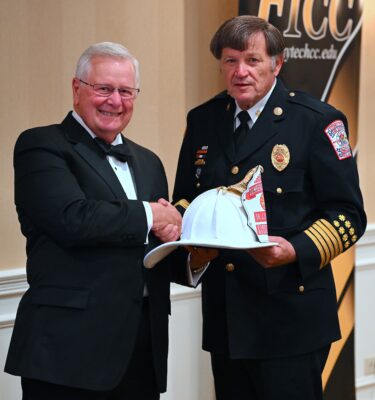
(327,247)
(318,246)
(325,240)
(182,203)
(331,238)
(334,233)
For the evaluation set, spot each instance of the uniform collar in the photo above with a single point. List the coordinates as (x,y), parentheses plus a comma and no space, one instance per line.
(255,111)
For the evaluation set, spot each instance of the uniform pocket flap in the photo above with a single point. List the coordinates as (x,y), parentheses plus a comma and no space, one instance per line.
(61,297)
(286,279)
(288,183)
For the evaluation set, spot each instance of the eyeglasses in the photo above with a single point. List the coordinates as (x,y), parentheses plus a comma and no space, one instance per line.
(107,90)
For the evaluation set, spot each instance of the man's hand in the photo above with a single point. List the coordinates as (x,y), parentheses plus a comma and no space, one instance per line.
(166,221)
(274,256)
(169,233)
(200,256)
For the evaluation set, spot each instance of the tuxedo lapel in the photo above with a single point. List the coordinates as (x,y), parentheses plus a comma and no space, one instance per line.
(87,148)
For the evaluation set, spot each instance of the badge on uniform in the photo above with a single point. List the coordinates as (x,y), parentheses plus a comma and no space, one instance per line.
(336,134)
(200,156)
(280,156)
(201,153)
(200,161)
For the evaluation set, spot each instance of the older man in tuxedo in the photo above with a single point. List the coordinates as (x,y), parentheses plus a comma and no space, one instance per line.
(94,322)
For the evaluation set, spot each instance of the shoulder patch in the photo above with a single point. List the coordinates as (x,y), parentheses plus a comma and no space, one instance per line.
(336,134)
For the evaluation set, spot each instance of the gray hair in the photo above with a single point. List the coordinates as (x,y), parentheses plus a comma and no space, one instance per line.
(106,49)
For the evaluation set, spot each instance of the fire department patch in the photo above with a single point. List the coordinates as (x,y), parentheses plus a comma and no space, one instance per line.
(336,134)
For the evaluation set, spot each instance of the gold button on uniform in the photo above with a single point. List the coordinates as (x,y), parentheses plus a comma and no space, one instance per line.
(235,170)
(229,267)
(278,111)
(198,185)
(279,190)
(301,289)
(292,94)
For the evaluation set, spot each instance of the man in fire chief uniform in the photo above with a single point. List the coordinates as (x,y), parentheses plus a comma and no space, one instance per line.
(270,314)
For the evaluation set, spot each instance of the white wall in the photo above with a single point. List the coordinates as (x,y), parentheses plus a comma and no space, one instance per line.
(364,313)
(189,368)
(12,286)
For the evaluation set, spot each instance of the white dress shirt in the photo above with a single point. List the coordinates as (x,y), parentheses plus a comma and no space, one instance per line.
(254,111)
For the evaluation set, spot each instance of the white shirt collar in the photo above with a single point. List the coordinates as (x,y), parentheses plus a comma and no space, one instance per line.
(256,109)
(118,138)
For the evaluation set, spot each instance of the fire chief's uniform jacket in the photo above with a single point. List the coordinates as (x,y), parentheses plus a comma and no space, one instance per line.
(314,202)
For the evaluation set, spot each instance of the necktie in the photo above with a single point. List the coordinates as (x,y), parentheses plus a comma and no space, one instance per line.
(242,130)
(119,151)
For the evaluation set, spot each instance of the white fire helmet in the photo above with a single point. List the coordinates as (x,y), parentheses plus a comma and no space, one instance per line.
(231,217)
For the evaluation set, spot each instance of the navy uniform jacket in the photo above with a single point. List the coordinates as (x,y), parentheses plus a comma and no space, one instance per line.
(315,203)
(77,324)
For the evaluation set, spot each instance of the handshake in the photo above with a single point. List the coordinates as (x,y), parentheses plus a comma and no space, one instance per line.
(166,221)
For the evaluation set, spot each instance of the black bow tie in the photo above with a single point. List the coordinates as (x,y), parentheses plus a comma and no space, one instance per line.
(119,151)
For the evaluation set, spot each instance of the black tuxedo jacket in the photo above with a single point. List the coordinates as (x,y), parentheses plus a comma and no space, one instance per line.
(76,325)
(315,203)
